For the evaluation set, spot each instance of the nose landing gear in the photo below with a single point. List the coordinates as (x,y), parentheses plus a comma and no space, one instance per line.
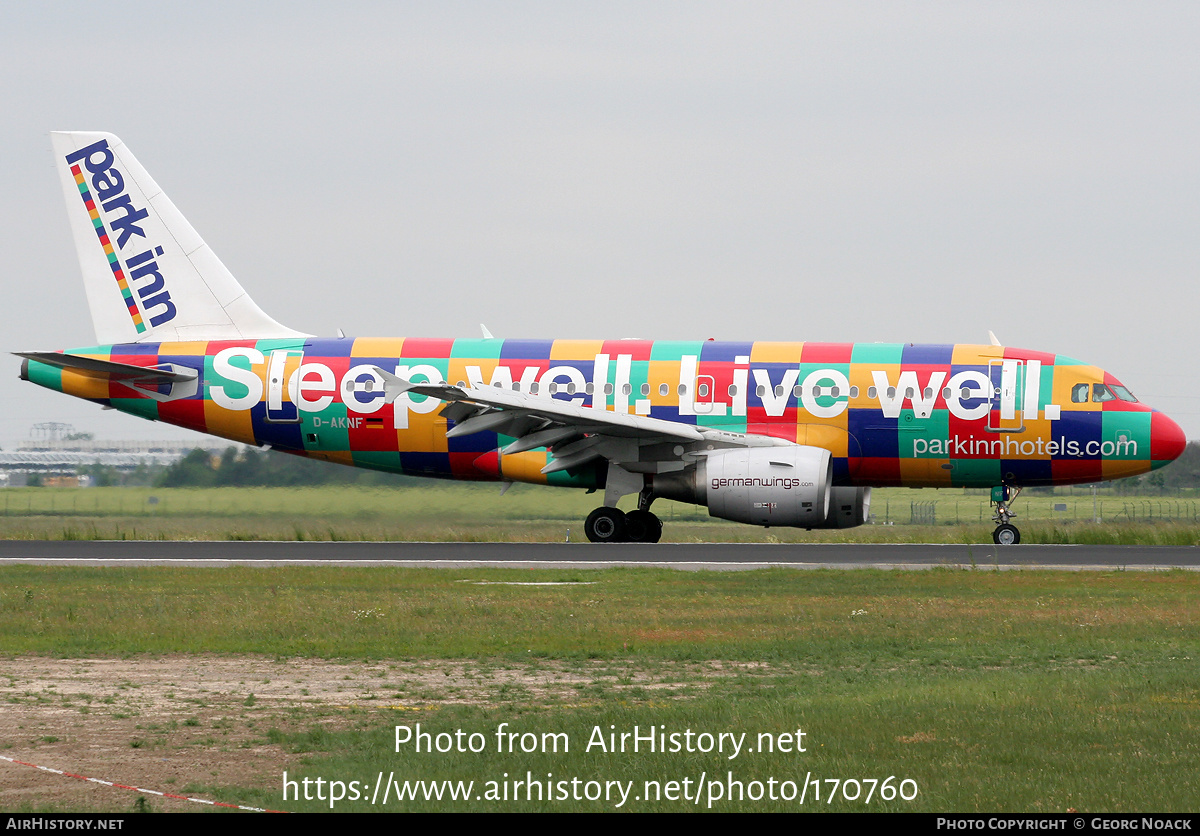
(1006,534)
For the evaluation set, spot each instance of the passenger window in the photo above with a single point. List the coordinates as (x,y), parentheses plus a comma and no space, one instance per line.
(778,391)
(871,392)
(626,389)
(664,389)
(608,388)
(682,389)
(928,393)
(760,390)
(817,390)
(534,387)
(570,388)
(589,388)
(835,392)
(798,391)
(702,390)
(854,391)
(891,392)
(645,389)
(733,390)
(946,393)
(1079,393)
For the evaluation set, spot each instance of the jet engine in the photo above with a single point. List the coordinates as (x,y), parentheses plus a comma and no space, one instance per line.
(786,486)
(848,507)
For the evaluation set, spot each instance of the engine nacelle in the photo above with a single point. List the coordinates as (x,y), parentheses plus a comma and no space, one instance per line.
(848,507)
(787,486)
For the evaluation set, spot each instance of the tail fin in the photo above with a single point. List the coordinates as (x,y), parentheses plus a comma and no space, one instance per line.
(148,275)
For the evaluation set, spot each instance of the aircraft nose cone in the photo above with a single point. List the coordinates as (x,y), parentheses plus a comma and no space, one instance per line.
(1166,439)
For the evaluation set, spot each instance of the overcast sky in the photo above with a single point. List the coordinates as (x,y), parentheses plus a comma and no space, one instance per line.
(896,172)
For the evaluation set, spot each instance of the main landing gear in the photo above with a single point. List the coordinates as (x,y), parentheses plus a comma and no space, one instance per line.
(1006,534)
(612,525)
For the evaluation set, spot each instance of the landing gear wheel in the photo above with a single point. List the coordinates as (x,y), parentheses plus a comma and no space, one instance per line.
(605,525)
(642,527)
(1006,535)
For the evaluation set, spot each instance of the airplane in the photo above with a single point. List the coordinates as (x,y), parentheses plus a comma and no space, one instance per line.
(764,433)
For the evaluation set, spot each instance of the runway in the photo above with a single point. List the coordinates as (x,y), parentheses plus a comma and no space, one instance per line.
(713,556)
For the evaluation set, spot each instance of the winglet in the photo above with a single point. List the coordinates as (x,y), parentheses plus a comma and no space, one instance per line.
(395,386)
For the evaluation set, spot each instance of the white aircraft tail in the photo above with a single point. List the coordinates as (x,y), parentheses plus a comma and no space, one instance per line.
(148,275)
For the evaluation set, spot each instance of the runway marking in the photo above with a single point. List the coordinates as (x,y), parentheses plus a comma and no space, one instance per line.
(530,583)
(681,563)
(714,557)
(139,789)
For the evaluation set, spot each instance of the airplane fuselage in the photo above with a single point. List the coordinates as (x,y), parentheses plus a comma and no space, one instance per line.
(890,414)
(774,434)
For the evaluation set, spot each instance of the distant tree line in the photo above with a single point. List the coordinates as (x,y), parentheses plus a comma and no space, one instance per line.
(252,467)
(256,468)
(1182,474)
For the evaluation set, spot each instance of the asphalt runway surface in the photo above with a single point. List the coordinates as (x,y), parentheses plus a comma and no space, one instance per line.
(709,556)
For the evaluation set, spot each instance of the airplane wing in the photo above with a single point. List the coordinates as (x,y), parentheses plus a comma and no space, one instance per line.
(574,434)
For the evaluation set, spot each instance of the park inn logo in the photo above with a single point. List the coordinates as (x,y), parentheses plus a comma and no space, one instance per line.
(105,199)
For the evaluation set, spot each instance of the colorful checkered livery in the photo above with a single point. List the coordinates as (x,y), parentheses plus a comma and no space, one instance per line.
(113,262)
(890,414)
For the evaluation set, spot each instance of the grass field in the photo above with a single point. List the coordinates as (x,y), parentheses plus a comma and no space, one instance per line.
(1015,691)
(440,511)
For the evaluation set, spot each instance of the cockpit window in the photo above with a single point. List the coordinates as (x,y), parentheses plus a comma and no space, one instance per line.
(1123,393)
(1079,393)
(1101,393)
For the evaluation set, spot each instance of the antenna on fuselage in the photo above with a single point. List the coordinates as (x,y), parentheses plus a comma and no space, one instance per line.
(992,337)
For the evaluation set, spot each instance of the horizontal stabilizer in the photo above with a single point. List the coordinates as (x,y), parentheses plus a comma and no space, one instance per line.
(92,367)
